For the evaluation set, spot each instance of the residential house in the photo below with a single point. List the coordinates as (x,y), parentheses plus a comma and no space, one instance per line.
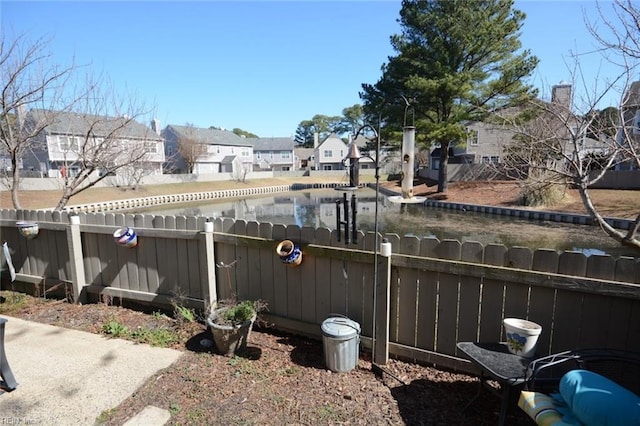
(367,152)
(330,153)
(486,141)
(70,141)
(196,150)
(631,116)
(274,154)
(304,158)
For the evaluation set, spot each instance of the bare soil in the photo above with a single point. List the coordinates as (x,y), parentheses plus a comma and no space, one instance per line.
(281,379)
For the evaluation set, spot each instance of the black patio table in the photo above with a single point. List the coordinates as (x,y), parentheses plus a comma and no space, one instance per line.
(496,363)
(8,382)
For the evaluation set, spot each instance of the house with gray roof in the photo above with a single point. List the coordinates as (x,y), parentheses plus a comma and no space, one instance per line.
(190,149)
(304,158)
(275,154)
(70,142)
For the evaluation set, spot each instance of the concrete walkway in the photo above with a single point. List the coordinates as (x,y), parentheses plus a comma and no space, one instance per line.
(69,377)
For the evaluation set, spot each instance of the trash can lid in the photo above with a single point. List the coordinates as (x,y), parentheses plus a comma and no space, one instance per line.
(340,327)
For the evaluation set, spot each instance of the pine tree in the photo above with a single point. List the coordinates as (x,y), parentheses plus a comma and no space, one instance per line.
(456,61)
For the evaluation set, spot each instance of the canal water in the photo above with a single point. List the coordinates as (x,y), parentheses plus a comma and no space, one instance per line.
(317,208)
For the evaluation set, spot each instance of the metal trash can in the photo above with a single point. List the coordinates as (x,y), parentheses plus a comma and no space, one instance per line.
(341,343)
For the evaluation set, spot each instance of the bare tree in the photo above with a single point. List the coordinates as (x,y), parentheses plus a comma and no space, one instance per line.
(570,144)
(38,97)
(105,139)
(28,79)
(190,147)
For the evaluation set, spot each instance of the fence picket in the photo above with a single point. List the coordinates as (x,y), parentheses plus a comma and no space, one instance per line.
(322,278)
(268,263)
(307,274)
(241,267)
(253,264)
(492,296)
(627,270)
(448,289)
(294,277)
(470,295)
(601,266)
(427,299)
(338,275)
(280,297)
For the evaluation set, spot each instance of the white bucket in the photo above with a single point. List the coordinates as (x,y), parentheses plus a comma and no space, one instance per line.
(522,336)
(341,342)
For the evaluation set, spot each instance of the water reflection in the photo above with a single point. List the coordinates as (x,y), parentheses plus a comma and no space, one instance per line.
(317,208)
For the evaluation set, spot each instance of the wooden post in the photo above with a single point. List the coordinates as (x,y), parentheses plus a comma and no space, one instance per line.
(76,258)
(211,293)
(383,285)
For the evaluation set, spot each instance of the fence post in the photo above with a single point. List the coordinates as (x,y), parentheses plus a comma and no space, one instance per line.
(76,258)
(383,285)
(211,293)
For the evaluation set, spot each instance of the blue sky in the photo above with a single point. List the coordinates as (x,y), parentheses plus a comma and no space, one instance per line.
(262,66)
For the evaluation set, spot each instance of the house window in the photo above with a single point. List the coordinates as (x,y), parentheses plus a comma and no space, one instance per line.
(472,139)
(285,168)
(328,153)
(68,143)
(285,154)
(435,164)
(151,147)
(258,156)
(245,152)
(171,150)
(495,159)
(486,160)
(327,167)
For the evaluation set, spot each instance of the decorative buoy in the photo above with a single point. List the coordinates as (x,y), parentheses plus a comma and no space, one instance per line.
(126,237)
(29,230)
(289,253)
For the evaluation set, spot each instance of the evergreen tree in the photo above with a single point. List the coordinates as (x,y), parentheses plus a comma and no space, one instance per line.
(456,61)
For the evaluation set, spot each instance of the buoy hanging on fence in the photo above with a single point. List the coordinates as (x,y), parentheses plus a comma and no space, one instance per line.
(289,253)
(126,237)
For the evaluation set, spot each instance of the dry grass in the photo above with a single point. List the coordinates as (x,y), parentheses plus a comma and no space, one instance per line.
(48,199)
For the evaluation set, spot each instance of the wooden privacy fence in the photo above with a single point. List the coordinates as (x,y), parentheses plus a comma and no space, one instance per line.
(429,295)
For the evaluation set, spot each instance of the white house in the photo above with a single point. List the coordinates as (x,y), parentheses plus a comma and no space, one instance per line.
(70,141)
(206,151)
(330,153)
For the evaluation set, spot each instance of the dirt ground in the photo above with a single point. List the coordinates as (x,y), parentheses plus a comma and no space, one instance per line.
(282,379)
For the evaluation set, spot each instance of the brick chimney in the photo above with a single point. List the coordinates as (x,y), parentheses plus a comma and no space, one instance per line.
(561,94)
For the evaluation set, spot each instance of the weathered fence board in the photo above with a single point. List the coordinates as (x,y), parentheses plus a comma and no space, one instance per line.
(492,308)
(448,308)
(441,292)
(307,281)
(470,292)
(426,321)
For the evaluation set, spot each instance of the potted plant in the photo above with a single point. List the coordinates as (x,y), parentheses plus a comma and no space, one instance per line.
(231,323)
